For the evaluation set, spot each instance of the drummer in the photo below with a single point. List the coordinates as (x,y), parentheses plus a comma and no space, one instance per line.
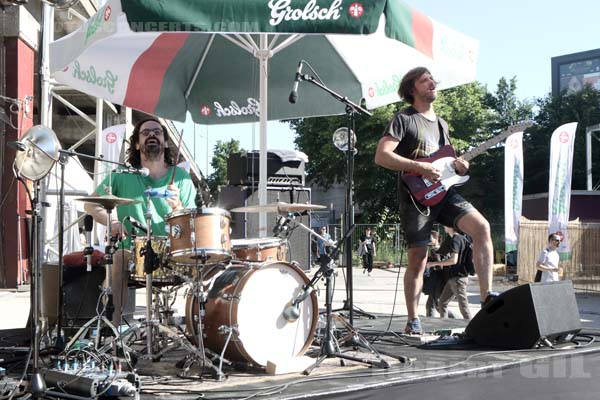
(149,148)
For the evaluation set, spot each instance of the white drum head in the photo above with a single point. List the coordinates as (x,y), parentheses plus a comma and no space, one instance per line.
(263,331)
(255,243)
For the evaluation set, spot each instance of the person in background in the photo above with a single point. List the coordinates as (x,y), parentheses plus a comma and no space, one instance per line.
(367,250)
(434,279)
(323,245)
(548,261)
(453,248)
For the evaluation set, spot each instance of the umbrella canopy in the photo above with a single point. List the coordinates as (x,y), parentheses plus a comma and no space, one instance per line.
(360,50)
(231,61)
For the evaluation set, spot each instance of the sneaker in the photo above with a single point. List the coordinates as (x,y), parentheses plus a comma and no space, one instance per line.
(369,274)
(413,327)
(490,296)
(364,271)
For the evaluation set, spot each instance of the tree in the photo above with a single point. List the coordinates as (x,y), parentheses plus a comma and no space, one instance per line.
(222,151)
(374,187)
(554,111)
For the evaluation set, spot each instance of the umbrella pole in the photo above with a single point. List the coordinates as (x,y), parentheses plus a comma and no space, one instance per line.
(263,55)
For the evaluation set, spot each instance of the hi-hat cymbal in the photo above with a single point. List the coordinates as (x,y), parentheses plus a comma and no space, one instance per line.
(107,201)
(280,207)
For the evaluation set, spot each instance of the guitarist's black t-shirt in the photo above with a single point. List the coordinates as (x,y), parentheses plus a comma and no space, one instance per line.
(418,136)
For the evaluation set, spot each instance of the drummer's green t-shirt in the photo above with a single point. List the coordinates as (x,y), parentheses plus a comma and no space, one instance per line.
(133,186)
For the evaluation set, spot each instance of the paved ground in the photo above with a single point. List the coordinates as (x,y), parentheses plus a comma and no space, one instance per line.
(381,292)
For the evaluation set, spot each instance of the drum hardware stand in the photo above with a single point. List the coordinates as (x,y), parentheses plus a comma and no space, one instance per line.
(330,346)
(200,357)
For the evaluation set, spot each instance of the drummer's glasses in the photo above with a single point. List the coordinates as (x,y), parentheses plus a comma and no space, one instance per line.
(155,131)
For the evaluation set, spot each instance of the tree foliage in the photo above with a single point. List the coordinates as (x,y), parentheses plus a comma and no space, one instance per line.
(221,153)
(582,107)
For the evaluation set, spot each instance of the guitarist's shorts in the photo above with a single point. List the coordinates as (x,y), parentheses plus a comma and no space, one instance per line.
(417,225)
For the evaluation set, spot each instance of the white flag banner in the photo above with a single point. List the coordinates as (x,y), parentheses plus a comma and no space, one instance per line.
(559,185)
(513,189)
(112,143)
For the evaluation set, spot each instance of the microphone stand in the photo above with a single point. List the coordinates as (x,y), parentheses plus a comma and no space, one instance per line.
(351,110)
(330,346)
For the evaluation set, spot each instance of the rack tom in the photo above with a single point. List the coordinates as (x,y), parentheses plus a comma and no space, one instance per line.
(199,236)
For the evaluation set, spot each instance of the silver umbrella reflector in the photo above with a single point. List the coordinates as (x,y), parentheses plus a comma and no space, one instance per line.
(37,152)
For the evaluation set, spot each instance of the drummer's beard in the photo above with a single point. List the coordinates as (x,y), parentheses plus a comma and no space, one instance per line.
(153,151)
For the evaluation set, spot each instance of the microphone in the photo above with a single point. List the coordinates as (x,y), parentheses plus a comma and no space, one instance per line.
(281,226)
(130,170)
(88,225)
(136,224)
(164,193)
(292,312)
(294,92)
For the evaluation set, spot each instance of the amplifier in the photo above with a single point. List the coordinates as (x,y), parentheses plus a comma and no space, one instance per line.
(243,169)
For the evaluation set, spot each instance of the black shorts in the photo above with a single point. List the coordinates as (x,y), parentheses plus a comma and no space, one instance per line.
(417,227)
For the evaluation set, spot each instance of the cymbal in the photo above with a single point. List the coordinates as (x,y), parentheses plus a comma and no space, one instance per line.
(107,201)
(280,207)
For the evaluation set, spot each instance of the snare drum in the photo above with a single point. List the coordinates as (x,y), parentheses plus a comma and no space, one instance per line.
(199,236)
(161,276)
(260,249)
(251,301)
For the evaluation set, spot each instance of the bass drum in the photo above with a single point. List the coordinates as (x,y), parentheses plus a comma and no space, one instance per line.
(253,300)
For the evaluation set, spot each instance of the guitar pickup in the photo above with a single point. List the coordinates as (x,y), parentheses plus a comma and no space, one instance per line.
(435,192)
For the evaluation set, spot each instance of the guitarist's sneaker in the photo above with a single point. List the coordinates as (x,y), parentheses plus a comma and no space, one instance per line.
(490,296)
(413,327)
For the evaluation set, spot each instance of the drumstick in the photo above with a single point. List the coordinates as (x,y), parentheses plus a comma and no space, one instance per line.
(177,158)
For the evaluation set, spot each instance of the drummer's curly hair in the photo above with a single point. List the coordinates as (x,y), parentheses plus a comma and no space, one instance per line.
(408,83)
(133,155)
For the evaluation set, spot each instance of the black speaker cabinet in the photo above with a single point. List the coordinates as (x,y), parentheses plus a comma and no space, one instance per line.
(242,169)
(81,290)
(520,317)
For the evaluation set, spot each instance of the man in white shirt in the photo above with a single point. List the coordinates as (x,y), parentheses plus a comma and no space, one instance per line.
(549,259)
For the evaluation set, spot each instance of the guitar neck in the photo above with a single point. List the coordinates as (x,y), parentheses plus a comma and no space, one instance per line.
(471,154)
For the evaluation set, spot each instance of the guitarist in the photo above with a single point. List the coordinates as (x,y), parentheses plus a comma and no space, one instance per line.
(417,132)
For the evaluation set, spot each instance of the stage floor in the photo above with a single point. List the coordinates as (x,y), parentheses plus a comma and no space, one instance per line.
(453,365)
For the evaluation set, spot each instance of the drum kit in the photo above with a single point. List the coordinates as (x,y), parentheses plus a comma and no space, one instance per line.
(246,301)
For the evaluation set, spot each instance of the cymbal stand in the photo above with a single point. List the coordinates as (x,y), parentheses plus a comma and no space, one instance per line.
(149,266)
(63,159)
(330,346)
(105,316)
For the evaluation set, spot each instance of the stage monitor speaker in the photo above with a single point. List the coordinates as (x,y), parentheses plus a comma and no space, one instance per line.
(521,316)
(81,290)
(246,225)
